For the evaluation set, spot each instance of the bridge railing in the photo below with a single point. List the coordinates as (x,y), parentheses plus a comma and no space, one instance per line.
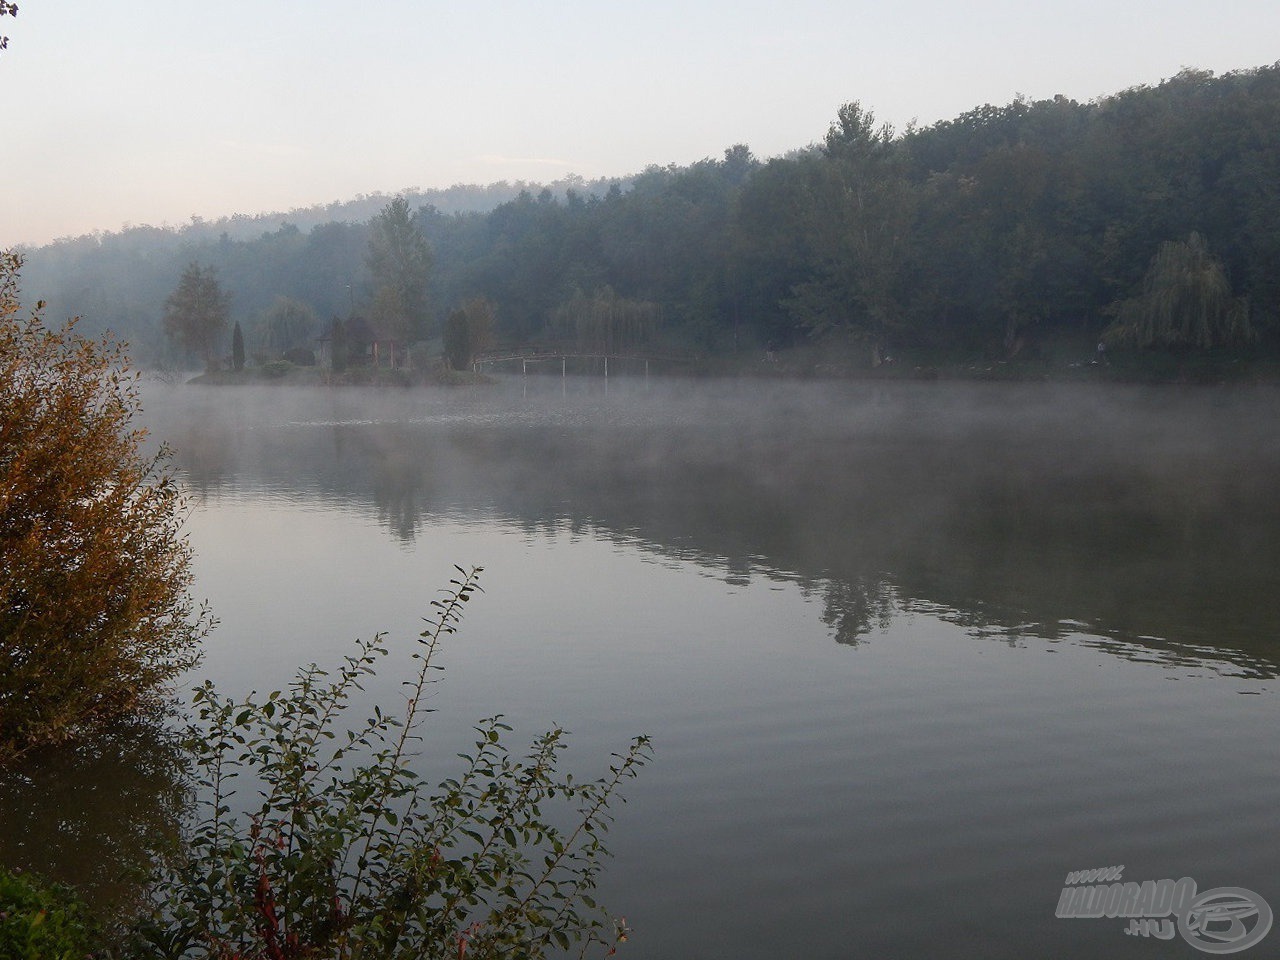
(564,356)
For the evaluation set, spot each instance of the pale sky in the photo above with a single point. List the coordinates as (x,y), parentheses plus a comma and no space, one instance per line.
(151,112)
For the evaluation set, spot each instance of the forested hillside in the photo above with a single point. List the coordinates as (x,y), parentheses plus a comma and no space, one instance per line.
(1152,216)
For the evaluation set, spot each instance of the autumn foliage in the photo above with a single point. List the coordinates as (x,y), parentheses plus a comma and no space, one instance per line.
(95,617)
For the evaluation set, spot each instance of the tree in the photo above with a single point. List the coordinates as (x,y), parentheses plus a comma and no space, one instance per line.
(468,331)
(95,617)
(400,261)
(339,345)
(7,9)
(196,313)
(605,322)
(287,324)
(860,210)
(237,348)
(855,136)
(1186,301)
(42,919)
(457,345)
(345,850)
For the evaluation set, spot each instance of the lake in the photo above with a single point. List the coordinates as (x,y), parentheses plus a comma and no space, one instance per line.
(909,653)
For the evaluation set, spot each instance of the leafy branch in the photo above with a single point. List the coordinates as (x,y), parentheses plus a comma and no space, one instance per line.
(347,853)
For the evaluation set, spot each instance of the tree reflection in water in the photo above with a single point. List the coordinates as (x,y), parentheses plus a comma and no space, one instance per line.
(95,814)
(1145,516)
(855,608)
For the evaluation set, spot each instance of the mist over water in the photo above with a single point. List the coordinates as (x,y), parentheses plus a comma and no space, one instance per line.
(1138,512)
(910,653)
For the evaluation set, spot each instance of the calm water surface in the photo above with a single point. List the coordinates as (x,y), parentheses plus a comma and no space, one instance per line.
(909,653)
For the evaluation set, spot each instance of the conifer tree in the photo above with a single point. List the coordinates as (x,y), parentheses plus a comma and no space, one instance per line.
(196,313)
(237,348)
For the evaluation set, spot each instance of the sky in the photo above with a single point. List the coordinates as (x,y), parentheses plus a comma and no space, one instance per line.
(155,111)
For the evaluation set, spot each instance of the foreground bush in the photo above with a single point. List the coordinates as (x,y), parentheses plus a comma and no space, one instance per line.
(43,921)
(344,852)
(95,618)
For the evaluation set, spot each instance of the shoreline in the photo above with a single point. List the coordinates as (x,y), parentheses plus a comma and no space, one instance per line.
(805,364)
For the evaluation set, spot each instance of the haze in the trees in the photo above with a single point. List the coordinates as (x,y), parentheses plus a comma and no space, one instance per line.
(1005,232)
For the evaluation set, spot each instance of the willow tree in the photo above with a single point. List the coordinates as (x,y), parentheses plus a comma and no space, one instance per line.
(1186,301)
(287,324)
(605,322)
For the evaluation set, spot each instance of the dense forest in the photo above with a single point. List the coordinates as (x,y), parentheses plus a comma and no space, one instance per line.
(1150,219)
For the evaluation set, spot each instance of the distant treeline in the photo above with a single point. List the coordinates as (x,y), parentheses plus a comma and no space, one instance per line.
(984,235)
